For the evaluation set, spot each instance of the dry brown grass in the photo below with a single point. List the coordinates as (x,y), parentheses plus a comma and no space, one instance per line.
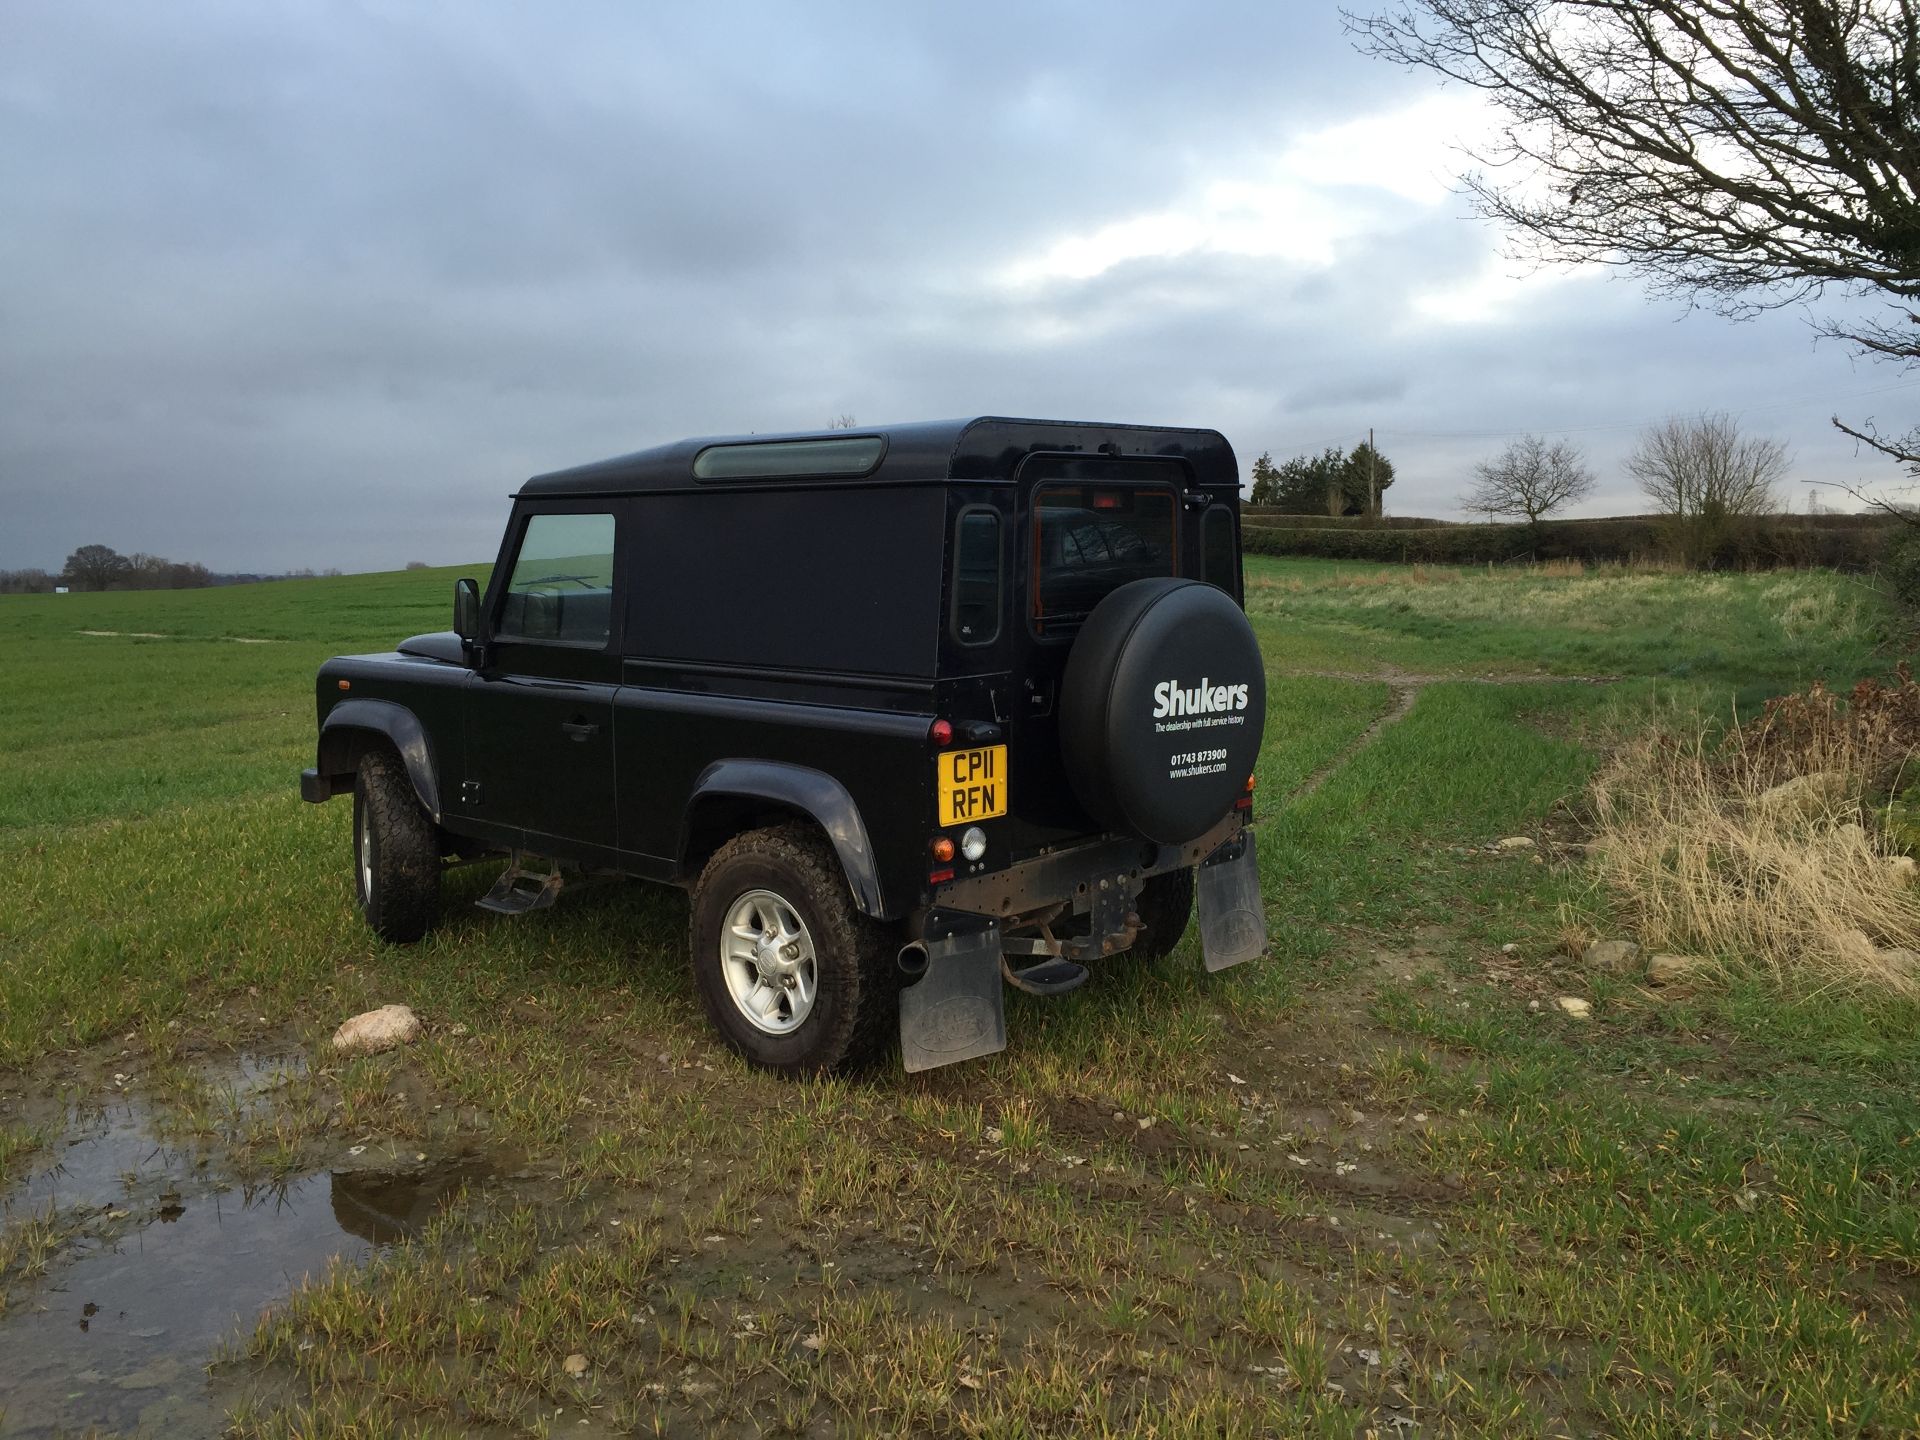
(1706,857)
(1422,577)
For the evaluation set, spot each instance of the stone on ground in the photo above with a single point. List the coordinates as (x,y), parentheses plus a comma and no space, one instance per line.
(1615,957)
(1669,969)
(377,1030)
(1576,1007)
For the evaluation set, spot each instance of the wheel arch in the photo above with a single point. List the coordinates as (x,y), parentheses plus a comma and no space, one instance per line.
(735,795)
(355,726)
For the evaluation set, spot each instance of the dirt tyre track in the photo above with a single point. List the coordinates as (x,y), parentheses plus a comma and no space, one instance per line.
(855,1010)
(396,852)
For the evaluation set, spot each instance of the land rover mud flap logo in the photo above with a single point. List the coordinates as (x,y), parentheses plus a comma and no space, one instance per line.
(958,1022)
(1240,931)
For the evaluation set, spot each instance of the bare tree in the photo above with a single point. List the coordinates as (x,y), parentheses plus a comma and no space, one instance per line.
(1529,478)
(1747,153)
(1708,480)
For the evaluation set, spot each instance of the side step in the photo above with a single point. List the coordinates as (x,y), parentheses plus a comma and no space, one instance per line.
(518,890)
(1049,977)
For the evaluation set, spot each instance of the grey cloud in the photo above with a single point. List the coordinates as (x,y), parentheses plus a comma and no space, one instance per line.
(317,284)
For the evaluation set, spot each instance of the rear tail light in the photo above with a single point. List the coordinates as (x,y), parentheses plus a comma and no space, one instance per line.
(940,732)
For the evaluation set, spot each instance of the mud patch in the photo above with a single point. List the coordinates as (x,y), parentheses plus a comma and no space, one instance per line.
(141,1258)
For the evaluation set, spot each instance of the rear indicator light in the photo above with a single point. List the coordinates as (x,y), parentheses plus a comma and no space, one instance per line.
(1250,780)
(941,732)
(942,848)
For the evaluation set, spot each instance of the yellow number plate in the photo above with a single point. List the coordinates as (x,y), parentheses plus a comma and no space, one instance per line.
(972,784)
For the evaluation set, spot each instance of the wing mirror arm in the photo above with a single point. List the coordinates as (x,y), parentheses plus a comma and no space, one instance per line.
(466,622)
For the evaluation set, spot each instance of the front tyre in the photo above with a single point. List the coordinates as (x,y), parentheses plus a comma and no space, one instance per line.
(792,975)
(396,852)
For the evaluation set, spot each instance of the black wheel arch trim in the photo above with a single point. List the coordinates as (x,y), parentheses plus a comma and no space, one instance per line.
(399,725)
(812,792)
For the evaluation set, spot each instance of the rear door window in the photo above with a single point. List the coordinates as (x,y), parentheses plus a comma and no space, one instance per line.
(561,588)
(976,576)
(1088,540)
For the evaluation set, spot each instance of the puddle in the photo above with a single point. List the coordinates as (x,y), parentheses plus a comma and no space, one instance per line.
(167,1262)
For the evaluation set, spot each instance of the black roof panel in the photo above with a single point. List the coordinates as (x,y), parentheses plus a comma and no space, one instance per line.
(985,447)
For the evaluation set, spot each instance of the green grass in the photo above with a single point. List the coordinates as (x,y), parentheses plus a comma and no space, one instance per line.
(110,726)
(1743,634)
(1677,1218)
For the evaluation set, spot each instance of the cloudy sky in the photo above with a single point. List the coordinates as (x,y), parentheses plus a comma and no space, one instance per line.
(317,284)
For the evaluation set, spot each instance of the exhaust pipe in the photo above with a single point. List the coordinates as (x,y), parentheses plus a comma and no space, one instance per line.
(912,959)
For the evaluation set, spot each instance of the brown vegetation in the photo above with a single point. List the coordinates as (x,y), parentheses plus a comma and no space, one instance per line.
(1761,852)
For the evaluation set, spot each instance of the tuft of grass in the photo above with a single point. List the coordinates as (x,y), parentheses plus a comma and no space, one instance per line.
(1706,859)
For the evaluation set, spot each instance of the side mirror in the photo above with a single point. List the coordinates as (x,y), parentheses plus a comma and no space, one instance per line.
(466,610)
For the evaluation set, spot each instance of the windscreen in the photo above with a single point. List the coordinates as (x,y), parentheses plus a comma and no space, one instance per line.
(1088,540)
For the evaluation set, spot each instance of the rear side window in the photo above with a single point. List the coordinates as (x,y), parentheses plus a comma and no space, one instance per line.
(561,588)
(790,459)
(1217,565)
(976,576)
(1088,540)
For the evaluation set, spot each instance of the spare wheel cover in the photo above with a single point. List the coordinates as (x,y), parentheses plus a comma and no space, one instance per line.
(1162,708)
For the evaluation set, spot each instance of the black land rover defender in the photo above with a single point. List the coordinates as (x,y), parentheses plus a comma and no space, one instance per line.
(914,713)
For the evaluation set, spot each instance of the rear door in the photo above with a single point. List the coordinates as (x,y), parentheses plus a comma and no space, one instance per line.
(1089,525)
(540,757)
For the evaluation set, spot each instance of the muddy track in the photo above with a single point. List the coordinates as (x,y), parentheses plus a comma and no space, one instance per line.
(1405,688)
(1400,707)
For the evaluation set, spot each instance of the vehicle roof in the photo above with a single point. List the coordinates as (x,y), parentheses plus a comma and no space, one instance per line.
(985,447)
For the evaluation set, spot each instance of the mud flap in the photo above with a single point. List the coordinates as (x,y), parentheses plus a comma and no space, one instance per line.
(956,1010)
(1233,921)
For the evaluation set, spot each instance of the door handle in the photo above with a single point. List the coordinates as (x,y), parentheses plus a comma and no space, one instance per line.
(579,729)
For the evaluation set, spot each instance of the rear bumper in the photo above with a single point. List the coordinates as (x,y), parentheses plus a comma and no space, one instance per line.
(1077,876)
(315,787)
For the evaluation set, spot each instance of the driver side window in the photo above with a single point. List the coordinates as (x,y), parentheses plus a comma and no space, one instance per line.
(561,588)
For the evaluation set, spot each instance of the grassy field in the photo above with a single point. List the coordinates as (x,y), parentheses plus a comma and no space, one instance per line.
(1377,1182)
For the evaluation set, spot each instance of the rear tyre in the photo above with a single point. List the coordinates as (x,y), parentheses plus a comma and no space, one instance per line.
(396,852)
(792,975)
(1166,909)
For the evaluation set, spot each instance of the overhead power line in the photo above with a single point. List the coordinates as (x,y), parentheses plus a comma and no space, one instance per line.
(1601,427)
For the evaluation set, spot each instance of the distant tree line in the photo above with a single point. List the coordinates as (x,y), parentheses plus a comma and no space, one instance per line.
(1715,491)
(100,567)
(1334,482)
